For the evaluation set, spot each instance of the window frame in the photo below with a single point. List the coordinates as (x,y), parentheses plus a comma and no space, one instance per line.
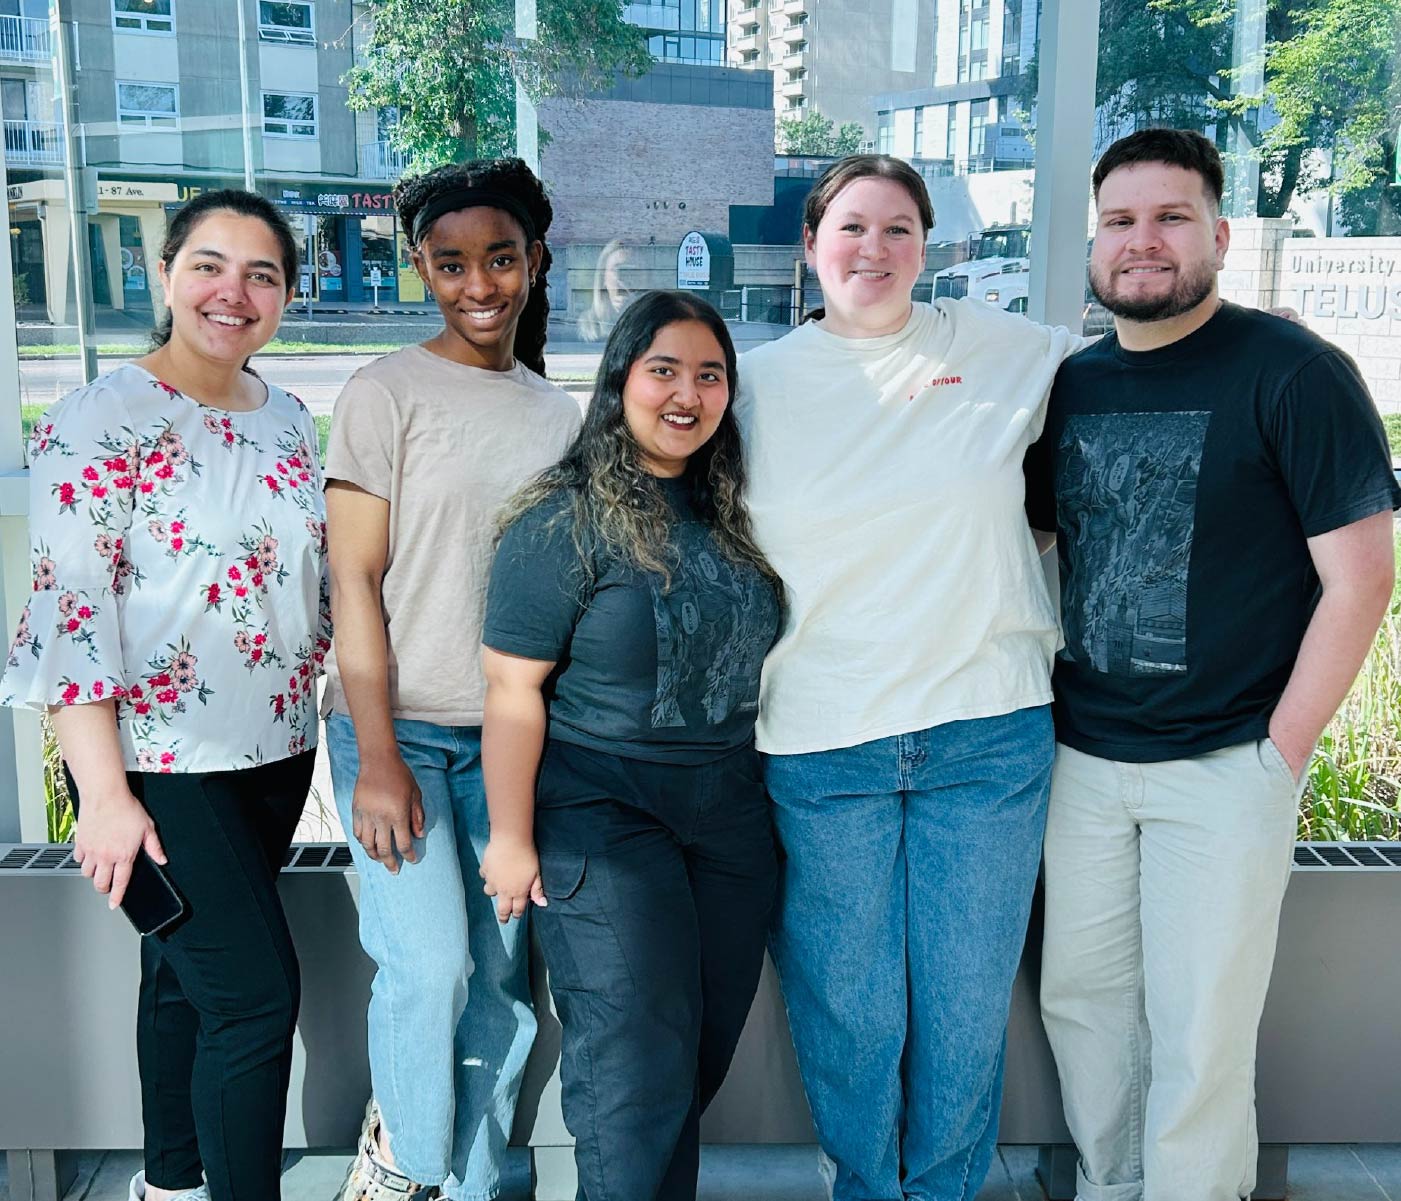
(269,32)
(142,27)
(134,118)
(315,122)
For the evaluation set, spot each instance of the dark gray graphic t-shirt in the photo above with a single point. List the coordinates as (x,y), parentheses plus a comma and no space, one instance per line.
(643,671)
(1183,484)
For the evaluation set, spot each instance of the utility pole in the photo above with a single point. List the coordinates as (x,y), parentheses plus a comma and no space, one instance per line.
(79,182)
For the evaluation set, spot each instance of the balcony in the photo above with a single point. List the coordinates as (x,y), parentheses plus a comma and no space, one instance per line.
(24,38)
(796,32)
(33,143)
(791,87)
(795,8)
(795,57)
(380,160)
(746,43)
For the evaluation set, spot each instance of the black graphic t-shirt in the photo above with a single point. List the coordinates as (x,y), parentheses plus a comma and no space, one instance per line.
(643,671)
(1182,484)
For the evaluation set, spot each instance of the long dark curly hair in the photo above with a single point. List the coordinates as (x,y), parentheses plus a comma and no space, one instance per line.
(616,505)
(512,177)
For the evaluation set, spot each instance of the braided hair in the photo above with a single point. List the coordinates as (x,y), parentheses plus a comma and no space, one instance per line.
(512,177)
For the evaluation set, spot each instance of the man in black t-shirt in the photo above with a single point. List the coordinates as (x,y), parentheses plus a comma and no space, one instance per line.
(1220,491)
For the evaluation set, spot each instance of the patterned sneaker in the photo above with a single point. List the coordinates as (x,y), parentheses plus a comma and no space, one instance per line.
(137,1190)
(369,1179)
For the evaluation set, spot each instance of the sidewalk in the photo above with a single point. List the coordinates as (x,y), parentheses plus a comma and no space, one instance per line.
(738,1173)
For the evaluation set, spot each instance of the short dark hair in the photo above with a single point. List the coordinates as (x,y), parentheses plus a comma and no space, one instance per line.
(1183,148)
(866,166)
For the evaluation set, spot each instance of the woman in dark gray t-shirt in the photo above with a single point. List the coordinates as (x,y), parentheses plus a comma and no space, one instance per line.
(628,616)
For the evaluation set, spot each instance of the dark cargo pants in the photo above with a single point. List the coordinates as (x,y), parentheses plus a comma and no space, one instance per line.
(660,880)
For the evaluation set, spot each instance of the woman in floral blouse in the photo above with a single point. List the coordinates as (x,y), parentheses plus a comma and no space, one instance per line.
(177,626)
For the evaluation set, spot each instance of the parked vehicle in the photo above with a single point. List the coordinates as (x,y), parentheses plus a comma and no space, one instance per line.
(996,270)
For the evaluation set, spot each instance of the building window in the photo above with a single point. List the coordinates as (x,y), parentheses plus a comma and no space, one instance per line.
(977,128)
(951,138)
(885,133)
(286,21)
(978,34)
(144,16)
(153,105)
(919,133)
(289,115)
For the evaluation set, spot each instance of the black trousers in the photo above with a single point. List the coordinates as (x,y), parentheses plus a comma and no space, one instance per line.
(220,988)
(660,880)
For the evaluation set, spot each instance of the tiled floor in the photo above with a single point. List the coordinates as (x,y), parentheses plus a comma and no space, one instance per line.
(1316,1173)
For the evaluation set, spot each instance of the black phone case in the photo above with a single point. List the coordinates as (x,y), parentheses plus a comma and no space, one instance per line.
(151,902)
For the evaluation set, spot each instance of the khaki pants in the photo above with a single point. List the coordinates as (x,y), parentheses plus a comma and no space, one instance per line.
(1163,889)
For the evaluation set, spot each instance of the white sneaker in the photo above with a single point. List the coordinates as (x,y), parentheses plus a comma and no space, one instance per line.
(137,1191)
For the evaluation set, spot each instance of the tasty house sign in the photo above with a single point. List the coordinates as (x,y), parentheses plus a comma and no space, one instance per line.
(1343,277)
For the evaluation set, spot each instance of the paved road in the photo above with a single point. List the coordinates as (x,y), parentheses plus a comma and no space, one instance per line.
(317,379)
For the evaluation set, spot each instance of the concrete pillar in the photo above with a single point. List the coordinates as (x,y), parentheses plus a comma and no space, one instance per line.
(110,226)
(53,225)
(152,222)
(1251,274)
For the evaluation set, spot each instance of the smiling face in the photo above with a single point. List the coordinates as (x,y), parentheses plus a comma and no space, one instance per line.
(868,250)
(225,288)
(1158,245)
(676,392)
(479,269)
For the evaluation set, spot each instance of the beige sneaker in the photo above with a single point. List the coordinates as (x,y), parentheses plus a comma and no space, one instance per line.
(370,1179)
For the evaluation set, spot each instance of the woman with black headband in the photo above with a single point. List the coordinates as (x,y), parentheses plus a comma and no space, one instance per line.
(426,446)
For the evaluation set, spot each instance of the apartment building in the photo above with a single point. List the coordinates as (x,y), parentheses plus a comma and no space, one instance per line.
(160,116)
(835,55)
(965,117)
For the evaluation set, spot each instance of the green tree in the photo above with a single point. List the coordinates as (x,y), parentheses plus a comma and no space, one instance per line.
(1330,84)
(449,67)
(814,134)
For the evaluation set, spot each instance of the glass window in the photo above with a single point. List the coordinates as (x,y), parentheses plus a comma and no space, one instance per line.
(885,133)
(289,115)
(978,34)
(977,129)
(144,16)
(154,105)
(286,21)
(919,133)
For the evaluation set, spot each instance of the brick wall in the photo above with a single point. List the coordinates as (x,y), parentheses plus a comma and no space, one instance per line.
(642,171)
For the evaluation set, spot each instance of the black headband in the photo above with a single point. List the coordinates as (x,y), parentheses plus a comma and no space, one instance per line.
(466,198)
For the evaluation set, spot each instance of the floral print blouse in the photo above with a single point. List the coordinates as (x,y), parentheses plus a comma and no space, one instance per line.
(179,567)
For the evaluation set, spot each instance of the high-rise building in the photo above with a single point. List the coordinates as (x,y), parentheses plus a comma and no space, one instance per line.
(966,115)
(682,31)
(834,56)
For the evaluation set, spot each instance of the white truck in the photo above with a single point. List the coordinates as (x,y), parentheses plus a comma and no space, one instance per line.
(996,270)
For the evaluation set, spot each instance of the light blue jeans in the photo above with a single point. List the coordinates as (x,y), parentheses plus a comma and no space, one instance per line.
(908,869)
(446,1059)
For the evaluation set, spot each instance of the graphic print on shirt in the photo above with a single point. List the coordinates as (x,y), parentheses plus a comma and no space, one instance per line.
(1126,497)
(713,630)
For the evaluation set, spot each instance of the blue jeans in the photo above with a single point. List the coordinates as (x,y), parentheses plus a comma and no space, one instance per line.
(446,1060)
(908,869)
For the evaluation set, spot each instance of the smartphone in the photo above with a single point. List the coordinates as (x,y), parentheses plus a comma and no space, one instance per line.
(151,902)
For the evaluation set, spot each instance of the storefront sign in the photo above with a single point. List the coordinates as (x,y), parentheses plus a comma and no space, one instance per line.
(693,262)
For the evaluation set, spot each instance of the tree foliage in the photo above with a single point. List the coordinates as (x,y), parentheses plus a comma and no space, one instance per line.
(814,134)
(449,67)
(1326,80)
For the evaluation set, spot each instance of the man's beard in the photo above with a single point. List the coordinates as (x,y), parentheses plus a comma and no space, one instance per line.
(1191,289)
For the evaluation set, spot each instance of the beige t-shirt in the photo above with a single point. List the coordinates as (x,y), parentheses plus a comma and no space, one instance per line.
(446,445)
(885,487)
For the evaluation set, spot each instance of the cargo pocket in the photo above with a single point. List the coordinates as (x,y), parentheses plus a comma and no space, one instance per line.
(576,930)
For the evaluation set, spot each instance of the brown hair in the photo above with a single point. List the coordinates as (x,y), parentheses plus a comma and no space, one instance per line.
(862,166)
(1183,148)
